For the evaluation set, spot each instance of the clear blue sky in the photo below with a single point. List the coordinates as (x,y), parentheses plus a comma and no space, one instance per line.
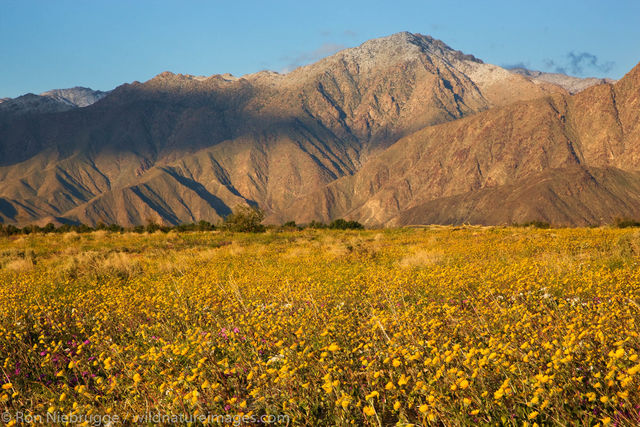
(51,44)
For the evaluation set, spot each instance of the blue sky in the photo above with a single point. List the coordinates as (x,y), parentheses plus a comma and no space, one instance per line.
(51,44)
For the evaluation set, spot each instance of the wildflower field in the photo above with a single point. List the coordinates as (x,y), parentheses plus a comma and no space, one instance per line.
(442,325)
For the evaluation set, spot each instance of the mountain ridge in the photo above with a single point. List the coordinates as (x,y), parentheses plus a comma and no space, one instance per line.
(52,101)
(572,84)
(593,129)
(179,148)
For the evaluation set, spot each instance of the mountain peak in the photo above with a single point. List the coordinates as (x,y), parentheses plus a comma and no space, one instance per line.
(413,43)
(396,48)
(169,77)
(166,74)
(77,96)
(404,37)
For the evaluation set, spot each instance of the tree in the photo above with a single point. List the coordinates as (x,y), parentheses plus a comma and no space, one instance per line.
(246,219)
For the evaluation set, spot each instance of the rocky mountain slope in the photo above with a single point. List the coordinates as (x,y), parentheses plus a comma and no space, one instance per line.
(562,159)
(76,96)
(182,148)
(52,101)
(30,104)
(400,130)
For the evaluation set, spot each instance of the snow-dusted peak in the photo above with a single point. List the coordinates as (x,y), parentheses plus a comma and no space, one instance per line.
(570,83)
(76,96)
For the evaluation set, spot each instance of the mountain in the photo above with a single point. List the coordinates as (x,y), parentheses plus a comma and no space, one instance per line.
(30,104)
(76,96)
(53,101)
(182,148)
(572,84)
(572,160)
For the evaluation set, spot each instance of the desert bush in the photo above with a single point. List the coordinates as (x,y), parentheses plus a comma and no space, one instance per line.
(245,219)
(290,226)
(201,225)
(341,224)
(534,224)
(626,223)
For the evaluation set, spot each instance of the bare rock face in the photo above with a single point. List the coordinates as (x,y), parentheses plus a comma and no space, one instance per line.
(370,133)
(563,159)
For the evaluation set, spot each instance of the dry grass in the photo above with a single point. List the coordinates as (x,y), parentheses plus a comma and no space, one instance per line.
(71,236)
(119,264)
(20,265)
(100,234)
(422,258)
(297,252)
(95,263)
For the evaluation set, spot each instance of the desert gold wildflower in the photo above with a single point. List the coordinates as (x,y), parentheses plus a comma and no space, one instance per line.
(423,324)
(369,410)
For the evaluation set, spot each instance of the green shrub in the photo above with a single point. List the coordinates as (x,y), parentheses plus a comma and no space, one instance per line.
(245,219)
(290,226)
(534,224)
(626,223)
(341,224)
(317,224)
